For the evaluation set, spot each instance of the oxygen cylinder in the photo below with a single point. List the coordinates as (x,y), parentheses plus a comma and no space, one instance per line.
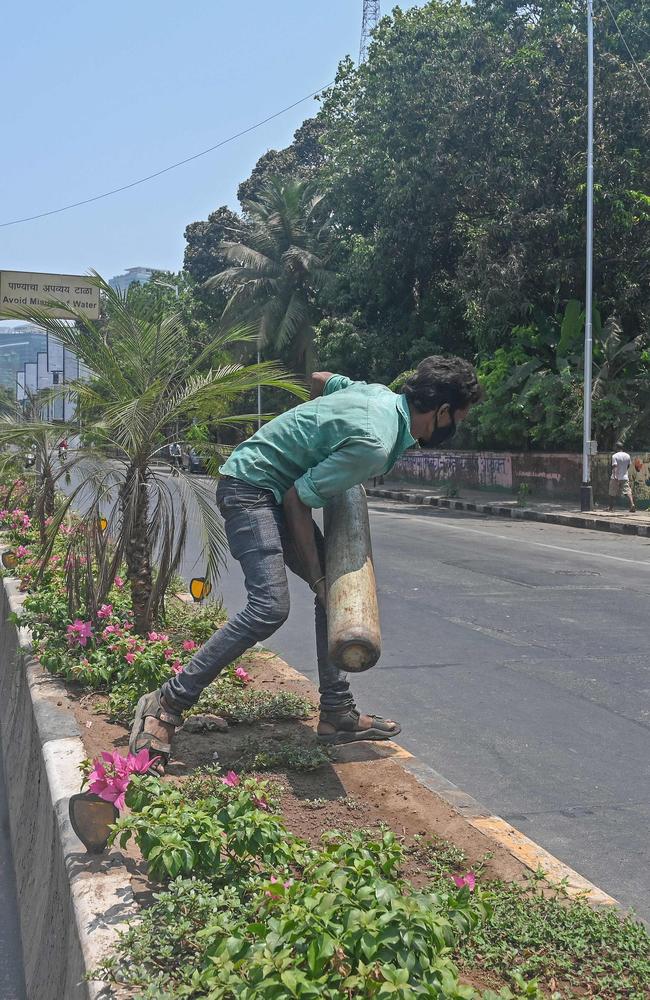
(353,633)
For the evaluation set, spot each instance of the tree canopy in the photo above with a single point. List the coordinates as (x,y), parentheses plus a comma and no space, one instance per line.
(453,168)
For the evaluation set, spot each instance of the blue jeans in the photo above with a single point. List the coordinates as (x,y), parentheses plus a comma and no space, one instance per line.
(257,537)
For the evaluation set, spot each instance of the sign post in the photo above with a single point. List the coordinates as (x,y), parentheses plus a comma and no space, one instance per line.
(28,289)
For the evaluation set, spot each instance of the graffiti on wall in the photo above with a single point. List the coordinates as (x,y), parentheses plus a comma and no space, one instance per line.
(640,478)
(480,468)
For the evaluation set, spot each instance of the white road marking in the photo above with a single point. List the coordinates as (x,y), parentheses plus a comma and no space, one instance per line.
(508,538)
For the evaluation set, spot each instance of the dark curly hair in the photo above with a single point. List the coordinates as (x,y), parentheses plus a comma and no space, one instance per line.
(438,380)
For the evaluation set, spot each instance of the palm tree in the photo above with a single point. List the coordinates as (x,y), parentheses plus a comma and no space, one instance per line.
(140,396)
(29,430)
(278,269)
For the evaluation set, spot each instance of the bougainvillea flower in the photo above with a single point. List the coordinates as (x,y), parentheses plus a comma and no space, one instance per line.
(242,675)
(189,646)
(119,582)
(468,880)
(111,630)
(168,653)
(177,667)
(157,637)
(79,632)
(112,772)
(129,657)
(22,551)
(231,779)
(105,611)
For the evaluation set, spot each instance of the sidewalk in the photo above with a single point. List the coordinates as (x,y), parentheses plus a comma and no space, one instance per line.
(562,512)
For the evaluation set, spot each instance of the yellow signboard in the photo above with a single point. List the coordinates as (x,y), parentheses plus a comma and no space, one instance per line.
(27,290)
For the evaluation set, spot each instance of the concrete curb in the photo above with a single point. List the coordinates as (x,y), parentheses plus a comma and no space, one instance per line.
(518,845)
(70,903)
(517,513)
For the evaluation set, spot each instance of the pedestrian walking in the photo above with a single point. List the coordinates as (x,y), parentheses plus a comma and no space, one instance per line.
(176,454)
(619,483)
(268,487)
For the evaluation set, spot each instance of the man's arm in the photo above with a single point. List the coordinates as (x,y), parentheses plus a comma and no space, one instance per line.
(318,380)
(357,461)
(301,529)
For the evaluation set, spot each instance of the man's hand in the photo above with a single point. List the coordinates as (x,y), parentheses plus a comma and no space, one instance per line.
(301,529)
(318,380)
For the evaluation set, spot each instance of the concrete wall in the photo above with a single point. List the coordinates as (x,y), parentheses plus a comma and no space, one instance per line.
(70,904)
(547,475)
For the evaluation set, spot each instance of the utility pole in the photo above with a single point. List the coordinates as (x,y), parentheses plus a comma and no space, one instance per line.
(259,392)
(370,18)
(586,491)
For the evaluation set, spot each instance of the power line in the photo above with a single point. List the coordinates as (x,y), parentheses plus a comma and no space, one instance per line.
(636,65)
(165,170)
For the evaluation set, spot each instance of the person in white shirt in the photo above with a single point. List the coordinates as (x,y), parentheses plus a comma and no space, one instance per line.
(619,483)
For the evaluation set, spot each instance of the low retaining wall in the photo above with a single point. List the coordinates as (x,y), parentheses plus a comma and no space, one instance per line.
(70,904)
(558,474)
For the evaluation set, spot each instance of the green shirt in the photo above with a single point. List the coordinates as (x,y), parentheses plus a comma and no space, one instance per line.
(352,432)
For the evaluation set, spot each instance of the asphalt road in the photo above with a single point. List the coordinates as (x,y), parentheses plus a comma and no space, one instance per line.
(12,983)
(515,655)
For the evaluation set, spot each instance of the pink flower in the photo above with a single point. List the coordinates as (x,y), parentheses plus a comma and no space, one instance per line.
(274,881)
(111,630)
(27,521)
(3,514)
(157,637)
(85,662)
(22,551)
(168,653)
(261,804)
(105,611)
(112,772)
(130,657)
(119,582)
(189,646)
(79,632)
(241,675)
(231,779)
(468,880)
(177,667)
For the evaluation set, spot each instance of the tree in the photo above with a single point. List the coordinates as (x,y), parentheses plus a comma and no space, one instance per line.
(302,160)
(455,170)
(277,269)
(142,394)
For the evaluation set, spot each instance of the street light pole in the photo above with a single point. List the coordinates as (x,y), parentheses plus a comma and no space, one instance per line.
(259,392)
(586,491)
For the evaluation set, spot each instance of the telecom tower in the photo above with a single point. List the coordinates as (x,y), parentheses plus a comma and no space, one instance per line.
(370,18)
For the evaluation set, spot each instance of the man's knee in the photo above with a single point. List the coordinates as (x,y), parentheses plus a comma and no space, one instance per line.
(269,614)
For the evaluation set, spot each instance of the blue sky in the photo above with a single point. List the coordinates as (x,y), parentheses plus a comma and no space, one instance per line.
(97,95)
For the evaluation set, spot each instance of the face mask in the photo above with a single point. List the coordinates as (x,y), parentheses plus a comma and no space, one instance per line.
(440,434)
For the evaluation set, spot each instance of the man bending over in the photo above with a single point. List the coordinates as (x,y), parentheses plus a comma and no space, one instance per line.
(347,433)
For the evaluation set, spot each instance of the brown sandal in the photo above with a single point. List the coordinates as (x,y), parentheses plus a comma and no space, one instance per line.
(345,725)
(151,706)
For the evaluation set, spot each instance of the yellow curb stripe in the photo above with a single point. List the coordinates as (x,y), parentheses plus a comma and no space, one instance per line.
(535,857)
